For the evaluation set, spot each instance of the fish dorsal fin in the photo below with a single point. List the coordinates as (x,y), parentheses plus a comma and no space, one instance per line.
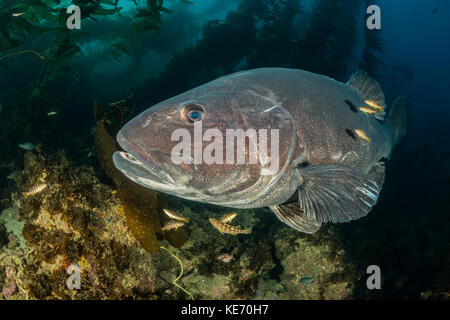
(292,215)
(367,88)
(335,193)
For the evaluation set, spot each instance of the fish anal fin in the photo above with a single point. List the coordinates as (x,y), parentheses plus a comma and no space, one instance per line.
(367,88)
(335,193)
(292,215)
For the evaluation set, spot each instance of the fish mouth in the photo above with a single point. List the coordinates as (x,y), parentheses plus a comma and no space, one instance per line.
(137,165)
(137,171)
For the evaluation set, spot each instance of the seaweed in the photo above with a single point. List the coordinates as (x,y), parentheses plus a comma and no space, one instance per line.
(20,21)
(263,34)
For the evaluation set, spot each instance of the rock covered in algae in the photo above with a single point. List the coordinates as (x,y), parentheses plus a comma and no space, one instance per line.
(314,266)
(75,220)
(273,262)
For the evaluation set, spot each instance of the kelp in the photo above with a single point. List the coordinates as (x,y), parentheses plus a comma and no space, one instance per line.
(330,39)
(277,34)
(142,206)
(26,18)
(264,33)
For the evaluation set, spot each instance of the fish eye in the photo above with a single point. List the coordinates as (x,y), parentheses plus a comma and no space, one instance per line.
(192,112)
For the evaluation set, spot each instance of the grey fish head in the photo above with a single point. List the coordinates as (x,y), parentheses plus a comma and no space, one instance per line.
(182,146)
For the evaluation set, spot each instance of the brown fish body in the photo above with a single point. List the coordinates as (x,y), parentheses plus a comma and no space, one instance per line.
(328,158)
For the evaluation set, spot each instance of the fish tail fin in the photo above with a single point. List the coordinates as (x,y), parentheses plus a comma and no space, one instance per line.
(186,220)
(397,119)
(25,195)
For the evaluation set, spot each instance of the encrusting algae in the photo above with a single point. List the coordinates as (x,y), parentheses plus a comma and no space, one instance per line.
(75,220)
(78,221)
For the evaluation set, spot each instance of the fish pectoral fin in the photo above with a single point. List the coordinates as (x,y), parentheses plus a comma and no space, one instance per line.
(368,89)
(335,193)
(292,215)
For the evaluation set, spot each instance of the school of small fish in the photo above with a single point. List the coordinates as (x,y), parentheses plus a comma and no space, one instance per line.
(221,225)
(374,109)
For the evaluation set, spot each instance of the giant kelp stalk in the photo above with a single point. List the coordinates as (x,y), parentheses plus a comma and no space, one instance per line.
(277,34)
(262,33)
(227,46)
(330,39)
(142,206)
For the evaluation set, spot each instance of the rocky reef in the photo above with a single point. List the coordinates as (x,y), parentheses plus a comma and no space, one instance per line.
(63,215)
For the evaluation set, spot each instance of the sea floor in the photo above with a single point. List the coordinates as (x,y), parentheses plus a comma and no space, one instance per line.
(78,220)
(73,224)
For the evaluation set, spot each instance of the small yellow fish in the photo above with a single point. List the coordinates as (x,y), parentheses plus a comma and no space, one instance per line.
(362,134)
(368,110)
(228,217)
(175,216)
(18,14)
(173,224)
(374,105)
(35,190)
(52,113)
(226,228)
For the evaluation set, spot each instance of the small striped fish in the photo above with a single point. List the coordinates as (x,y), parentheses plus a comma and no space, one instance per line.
(226,228)
(368,110)
(173,224)
(374,105)
(175,216)
(362,135)
(35,190)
